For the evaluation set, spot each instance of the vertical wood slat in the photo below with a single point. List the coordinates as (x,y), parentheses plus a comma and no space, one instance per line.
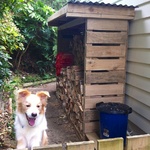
(140,142)
(110,144)
(85,145)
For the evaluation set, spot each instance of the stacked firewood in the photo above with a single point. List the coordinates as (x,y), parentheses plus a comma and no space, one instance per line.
(70,91)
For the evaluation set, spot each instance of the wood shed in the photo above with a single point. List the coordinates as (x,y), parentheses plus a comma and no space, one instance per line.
(97,36)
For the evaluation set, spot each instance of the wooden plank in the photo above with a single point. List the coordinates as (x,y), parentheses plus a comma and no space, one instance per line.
(73,23)
(110,144)
(104,64)
(85,145)
(108,89)
(105,77)
(90,102)
(106,24)
(141,142)
(93,137)
(49,147)
(90,127)
(105,51)
(98,16)
(82,10)
(106,37)
(58,14)
(90,115)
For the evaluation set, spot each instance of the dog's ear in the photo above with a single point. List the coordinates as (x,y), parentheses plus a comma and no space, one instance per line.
(43,96)
(22,93)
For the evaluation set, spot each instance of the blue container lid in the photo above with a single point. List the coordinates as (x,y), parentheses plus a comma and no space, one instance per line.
(113,108)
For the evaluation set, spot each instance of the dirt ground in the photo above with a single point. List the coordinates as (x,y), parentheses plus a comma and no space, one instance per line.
(60,129)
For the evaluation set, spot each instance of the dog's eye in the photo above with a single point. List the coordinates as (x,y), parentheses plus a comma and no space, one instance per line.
(38,106)
(28,105)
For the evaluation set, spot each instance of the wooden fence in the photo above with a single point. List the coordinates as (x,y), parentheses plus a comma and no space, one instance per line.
(139,142)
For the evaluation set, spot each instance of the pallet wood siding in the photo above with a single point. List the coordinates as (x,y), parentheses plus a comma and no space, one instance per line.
(138,65)
(105,63)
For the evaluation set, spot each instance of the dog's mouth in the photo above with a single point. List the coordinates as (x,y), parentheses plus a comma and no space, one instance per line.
(31,120)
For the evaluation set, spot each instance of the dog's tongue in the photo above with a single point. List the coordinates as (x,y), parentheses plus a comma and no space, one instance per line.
(31,121)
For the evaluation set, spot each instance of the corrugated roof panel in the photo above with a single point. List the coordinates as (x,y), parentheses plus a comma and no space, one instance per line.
(96,2)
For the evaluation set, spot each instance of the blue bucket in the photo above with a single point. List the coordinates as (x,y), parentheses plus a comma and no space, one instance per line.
(113,119)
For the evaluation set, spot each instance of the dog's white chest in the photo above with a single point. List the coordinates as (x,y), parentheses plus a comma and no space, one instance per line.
(28,133)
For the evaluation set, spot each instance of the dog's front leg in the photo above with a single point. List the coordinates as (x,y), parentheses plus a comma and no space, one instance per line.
(34,143)
(21,143)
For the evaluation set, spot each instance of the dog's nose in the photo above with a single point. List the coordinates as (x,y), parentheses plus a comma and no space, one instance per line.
(34,114)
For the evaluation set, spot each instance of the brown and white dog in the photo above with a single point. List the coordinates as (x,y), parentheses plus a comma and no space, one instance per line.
(30,121)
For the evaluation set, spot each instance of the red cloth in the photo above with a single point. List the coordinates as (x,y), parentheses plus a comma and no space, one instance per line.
(63,60)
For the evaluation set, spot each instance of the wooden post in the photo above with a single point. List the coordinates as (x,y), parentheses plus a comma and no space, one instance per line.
(85,145)
(110,144)
(50,147)
(139,142)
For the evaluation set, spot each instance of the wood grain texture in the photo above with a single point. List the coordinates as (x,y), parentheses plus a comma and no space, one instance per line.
(105,77)
(110,144)
(90,102)
(104,64)
(85,145)
(106,37)
(141,142)
(105,51)
(108,89)
(106,24)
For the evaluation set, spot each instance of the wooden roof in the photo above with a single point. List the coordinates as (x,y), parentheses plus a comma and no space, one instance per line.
(73,11)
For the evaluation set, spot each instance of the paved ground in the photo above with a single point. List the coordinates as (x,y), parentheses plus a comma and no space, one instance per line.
(60,129)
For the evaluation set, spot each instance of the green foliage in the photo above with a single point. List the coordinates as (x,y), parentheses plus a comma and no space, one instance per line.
(9,86)
(10,41)
(56,4)
(10,5)
(31,19)
(4,66)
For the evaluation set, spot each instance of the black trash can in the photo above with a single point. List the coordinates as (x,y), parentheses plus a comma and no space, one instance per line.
(113,119)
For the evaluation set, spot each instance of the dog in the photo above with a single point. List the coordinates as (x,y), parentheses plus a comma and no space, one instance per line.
(30,121)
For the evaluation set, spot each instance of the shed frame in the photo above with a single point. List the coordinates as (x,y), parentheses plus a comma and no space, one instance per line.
(104,32)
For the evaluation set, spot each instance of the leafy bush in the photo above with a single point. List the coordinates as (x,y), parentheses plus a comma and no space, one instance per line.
(11,40)
(31,19)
